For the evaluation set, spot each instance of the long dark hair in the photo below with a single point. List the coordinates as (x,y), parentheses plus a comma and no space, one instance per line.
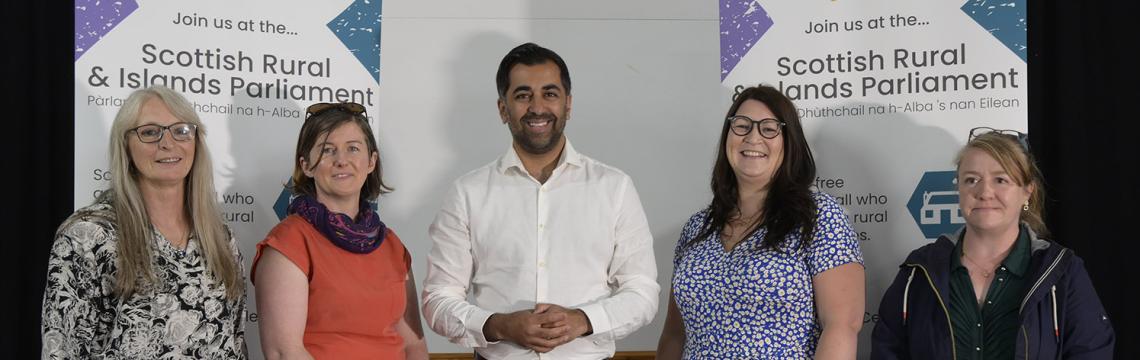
(788,206)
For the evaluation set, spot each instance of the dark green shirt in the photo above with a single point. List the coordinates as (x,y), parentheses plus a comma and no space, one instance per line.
(989,332)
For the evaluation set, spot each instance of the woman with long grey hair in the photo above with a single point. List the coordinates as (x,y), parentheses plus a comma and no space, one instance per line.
(149,270)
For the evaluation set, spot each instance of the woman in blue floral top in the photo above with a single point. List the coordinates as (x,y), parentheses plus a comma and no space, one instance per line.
(770,269)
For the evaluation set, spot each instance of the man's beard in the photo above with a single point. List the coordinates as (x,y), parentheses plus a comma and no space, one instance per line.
(538,144)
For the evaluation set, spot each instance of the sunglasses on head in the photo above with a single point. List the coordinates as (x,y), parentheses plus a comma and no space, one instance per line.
(1022,138)
(348,107)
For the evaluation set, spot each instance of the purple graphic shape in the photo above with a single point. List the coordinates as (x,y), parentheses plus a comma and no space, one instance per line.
(742,24)
(95,18)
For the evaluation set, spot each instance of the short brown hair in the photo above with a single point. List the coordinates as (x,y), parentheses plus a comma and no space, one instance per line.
(320,125)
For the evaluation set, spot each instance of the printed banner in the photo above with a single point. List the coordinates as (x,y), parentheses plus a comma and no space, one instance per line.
(249,69)
(887,92)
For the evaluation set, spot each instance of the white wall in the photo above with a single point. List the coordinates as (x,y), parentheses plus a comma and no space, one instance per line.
(647,99)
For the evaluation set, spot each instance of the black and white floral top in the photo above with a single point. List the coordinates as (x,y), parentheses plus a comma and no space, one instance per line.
(184,315)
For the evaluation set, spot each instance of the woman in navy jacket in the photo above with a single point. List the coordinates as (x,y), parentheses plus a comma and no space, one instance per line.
(994,289)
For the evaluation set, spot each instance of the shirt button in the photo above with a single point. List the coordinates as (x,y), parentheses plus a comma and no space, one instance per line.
(542,264)
(989,302)
(978,348)
(979,324)
(1003,268)
(541,226)
(1001,279)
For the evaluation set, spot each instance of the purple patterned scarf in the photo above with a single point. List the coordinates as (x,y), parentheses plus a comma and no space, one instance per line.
(358,237)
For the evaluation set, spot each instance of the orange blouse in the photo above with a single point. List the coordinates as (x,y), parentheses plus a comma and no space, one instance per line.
(355,300)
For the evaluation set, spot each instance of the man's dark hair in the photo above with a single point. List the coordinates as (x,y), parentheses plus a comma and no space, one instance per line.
(529,54)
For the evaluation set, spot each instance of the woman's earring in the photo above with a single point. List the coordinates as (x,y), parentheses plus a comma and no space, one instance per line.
(1026,206)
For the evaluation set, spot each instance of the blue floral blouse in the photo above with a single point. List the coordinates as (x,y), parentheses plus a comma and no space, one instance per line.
(757,304)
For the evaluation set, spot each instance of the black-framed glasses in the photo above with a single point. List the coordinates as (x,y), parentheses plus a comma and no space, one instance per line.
(742,125)
(348,107)
(181,131)
(1022,138)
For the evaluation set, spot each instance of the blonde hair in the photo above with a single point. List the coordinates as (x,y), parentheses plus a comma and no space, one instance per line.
(1016,160)
(131,218)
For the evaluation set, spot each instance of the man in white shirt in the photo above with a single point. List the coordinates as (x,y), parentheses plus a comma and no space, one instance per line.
(552,245)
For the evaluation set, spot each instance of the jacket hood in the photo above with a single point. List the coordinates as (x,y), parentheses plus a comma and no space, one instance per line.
(1048,261)
(933,254)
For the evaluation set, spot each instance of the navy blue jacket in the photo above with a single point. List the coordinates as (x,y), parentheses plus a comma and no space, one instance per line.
(915,321)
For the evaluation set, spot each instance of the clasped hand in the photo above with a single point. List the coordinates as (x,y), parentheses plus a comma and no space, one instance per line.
(542,329)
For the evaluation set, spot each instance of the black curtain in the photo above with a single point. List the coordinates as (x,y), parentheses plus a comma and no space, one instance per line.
(1082,91)
(38,159)
(1083,95)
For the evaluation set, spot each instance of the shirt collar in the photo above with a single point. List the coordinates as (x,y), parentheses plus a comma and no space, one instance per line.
(511,158)
(956,256)
(1017,262)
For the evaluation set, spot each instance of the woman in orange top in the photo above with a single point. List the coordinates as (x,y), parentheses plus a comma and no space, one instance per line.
(332,281)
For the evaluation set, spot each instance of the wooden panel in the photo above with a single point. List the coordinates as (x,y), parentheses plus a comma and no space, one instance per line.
(635,355)
(626,355)
(452,356)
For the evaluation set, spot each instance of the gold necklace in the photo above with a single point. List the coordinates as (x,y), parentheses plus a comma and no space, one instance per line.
(985,273)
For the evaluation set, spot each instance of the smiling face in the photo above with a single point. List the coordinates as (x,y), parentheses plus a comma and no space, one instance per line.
(535,107)
(166,162)
(342,164)
(754,159)
(990,198)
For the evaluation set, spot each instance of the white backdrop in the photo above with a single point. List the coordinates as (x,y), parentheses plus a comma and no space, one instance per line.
(646,100)
(646,81)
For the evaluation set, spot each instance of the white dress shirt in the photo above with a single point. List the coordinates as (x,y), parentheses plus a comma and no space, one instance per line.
(580,240)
